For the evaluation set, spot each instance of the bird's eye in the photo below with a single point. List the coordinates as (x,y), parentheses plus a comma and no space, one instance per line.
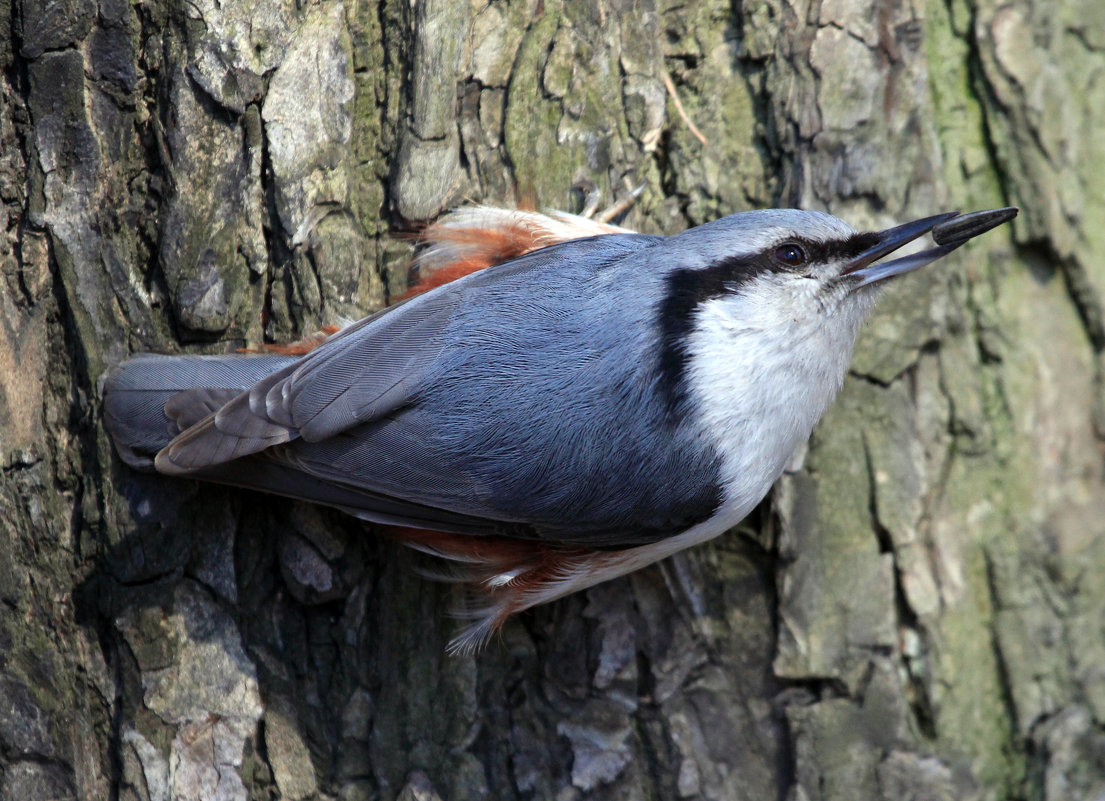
(790,254)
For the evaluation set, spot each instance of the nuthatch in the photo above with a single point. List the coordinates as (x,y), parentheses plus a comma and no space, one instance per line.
(584,408)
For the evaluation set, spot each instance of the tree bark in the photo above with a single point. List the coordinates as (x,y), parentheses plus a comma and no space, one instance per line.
(916,612)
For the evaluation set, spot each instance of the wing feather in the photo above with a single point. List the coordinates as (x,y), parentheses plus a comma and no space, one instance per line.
(373,374)
(358,375)
(364,372)
(496,424)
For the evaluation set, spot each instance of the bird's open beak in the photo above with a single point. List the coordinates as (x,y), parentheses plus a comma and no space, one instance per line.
(949,231)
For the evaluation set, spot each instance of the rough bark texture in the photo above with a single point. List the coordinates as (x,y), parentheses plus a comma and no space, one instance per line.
(918,611)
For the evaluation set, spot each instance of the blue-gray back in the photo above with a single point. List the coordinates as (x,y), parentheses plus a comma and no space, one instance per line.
(540,405)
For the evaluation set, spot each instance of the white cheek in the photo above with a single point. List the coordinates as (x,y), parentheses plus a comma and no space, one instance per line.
(764,365)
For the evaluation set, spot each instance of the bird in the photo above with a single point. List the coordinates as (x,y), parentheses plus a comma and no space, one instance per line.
(566,402)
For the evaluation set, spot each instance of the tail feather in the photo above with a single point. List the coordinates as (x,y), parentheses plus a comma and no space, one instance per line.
(189,406)
(150,398)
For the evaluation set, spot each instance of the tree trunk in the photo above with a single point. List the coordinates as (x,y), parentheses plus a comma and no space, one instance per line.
(915,613)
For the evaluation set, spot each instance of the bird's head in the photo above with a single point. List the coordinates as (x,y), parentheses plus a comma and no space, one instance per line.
(785,267)
(765,306)
(789,258)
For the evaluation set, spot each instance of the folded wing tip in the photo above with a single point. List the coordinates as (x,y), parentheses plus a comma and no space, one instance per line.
(165,464)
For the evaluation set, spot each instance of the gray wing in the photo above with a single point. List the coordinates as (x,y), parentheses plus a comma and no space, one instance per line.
(481,406)
(364,372)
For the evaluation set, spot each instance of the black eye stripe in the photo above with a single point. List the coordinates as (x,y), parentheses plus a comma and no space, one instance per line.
(779,258)
(823,252)
(848,248)
(687,289)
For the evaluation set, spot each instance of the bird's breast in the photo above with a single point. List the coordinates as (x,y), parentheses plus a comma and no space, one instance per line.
(758,387)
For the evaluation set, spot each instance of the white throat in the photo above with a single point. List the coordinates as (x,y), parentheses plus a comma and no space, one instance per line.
(763,366)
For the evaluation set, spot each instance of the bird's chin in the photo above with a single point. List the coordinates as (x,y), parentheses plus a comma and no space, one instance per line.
(861,299)
(872,290)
